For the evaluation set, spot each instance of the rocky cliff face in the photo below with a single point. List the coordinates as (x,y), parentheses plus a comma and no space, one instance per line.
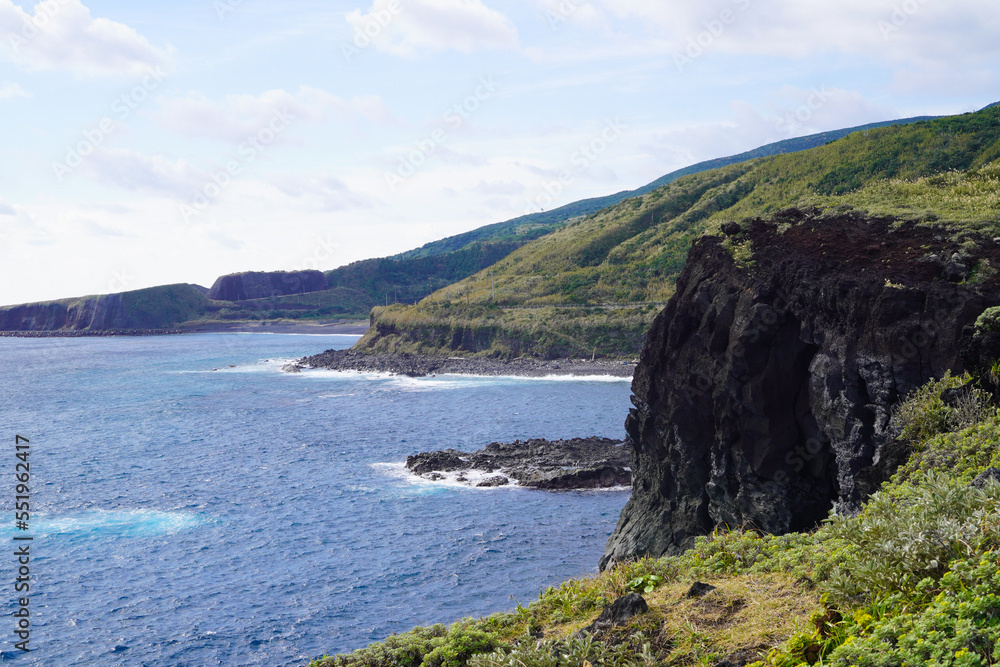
(151,308)
(765,389)
(96,312)
(257,285)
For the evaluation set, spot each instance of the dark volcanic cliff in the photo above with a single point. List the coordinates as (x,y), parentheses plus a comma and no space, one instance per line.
(259,285)
(764,392)
(151,308)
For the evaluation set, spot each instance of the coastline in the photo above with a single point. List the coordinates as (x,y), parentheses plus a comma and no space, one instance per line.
(73,333)
(421,365)
(349,328)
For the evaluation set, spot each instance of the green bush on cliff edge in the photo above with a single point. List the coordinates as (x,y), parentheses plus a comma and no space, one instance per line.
(914,579)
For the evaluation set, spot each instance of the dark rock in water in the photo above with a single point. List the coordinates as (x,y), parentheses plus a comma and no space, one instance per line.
(698,589)
(620,611)
(419,366)
(578,463)
(601,477)
(765,389)
(496,480)
(447,460)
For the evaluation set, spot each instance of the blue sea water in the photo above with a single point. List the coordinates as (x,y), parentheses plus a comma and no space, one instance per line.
(193,505)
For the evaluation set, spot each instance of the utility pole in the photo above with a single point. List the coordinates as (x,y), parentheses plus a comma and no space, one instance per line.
(493,286)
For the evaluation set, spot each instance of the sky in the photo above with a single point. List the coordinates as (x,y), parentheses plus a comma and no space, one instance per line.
(154,143)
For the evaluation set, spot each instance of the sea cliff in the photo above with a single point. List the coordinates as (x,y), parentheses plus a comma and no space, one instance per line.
(765,390)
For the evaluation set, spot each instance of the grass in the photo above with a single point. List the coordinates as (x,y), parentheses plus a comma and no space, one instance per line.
(491,331)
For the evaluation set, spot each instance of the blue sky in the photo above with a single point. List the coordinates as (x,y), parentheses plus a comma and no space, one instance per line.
(153,143)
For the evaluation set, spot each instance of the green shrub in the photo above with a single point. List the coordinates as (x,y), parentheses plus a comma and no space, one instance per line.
(964,454)
(458,647)
(436,646)
(572,652)
(989,320)
(812,555)
(911,533)
(960,626)
(919,582)
(645,584)
(924,414)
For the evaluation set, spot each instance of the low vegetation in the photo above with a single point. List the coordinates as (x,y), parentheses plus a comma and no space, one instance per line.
(506,332)
(913,579)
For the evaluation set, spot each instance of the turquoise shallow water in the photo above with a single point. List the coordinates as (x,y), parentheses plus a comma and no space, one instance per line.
(243,516)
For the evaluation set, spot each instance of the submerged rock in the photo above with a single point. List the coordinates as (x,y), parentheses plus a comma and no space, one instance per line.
(496,480)
(416,366)
(579,463)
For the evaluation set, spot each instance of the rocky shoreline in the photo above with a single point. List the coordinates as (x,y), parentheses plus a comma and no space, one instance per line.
(86,333)
(420,365)
(350,328)
(578,463)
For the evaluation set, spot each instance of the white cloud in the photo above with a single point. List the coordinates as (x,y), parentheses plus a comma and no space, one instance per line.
(9,90)
(319,192)
(6,208)
(153,175)
(921,30)
(62,35)
(240,116)
(417,27)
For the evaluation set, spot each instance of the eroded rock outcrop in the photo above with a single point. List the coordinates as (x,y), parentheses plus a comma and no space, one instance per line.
(764,392)
(152,309)
(577,463)
(260,285)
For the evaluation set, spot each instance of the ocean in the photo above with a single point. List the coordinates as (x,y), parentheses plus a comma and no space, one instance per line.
(190,504)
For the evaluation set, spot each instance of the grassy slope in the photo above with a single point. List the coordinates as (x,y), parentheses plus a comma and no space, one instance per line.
(411,276)
(407,280)
(633,251)
(535,225)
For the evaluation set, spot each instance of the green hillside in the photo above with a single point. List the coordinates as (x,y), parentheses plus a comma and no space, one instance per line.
(410,276)
(411,279)
(632,252)
(534,225)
